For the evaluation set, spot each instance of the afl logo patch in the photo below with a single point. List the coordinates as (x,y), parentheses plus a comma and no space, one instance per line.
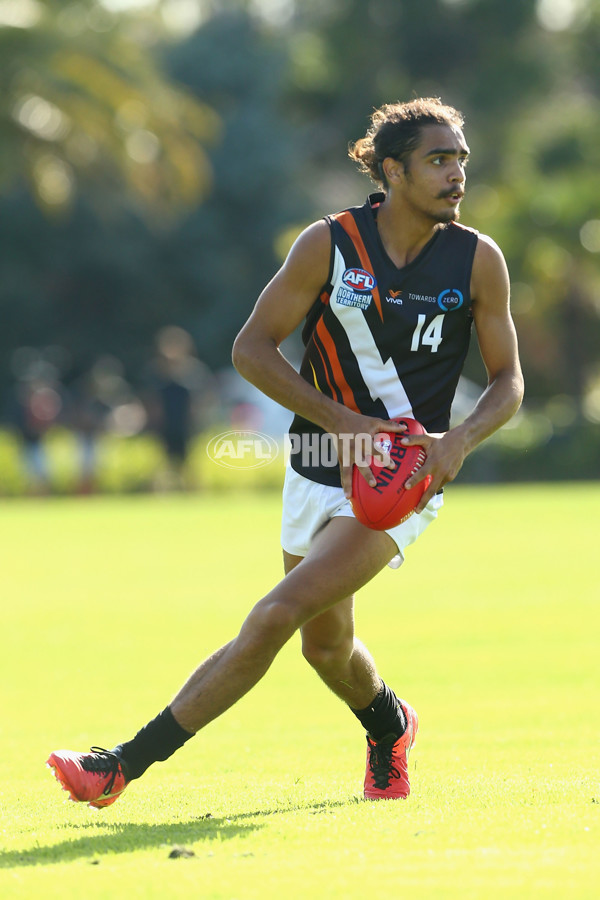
(450,299)
(359,280)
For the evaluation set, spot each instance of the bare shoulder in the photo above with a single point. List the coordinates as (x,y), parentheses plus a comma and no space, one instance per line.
(311,248)
(489,277)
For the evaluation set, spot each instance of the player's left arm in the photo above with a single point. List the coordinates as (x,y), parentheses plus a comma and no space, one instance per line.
(490,290)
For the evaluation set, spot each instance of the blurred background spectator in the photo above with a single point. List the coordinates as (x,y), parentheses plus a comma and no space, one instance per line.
(36,403)
(103,401)
(182,400)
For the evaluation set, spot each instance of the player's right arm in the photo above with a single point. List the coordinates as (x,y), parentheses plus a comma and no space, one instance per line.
(281,307)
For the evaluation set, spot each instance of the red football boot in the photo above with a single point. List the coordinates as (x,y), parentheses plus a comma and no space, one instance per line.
(387,761)
(96,778)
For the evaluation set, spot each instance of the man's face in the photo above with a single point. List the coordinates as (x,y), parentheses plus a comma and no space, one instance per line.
(434,181)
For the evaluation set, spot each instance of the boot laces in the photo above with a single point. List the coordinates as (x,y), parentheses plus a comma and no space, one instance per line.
(102,762)
(381,763)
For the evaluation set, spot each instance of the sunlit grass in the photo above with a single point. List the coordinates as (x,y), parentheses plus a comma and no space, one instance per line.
(490,630)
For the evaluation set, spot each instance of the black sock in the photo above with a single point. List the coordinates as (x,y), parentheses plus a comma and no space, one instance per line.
(383,716)
(157,740)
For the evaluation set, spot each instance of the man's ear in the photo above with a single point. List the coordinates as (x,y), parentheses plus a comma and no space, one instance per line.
(393,169)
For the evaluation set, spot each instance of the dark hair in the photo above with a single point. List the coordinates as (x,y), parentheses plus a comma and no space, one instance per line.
(395,131)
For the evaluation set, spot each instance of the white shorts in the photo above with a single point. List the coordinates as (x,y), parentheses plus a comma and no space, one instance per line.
(308,506)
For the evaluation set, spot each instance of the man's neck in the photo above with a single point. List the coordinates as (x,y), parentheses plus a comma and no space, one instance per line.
(403,232)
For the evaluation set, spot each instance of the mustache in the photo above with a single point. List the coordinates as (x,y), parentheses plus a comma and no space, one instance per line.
(449,193)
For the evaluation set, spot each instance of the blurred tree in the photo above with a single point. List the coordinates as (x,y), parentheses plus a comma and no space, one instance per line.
(222,254)
(547,217)
(83,103)
(104,284)
(551,231)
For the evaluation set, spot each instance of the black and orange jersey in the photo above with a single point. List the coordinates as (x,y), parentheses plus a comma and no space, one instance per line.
(381,340)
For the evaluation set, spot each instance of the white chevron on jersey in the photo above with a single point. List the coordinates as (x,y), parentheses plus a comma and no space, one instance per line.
(380,377)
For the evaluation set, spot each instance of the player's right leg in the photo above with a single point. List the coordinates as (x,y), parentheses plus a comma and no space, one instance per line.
(331,571)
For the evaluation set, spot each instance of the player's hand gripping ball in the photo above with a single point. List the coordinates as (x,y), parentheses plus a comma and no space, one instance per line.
(389,503)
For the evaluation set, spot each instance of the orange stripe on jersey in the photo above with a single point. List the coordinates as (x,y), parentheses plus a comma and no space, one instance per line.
(348,223)
(336,368)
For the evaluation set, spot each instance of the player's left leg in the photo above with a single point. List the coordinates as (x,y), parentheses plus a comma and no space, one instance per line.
(338,657)
(343,662)
(348,669)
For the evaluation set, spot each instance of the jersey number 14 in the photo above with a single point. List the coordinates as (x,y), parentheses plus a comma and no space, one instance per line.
(431,337)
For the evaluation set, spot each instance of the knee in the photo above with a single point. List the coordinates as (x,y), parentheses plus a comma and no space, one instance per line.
(271,621)
(327,656)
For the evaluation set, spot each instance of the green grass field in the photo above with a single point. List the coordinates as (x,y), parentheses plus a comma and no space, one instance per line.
(490,630)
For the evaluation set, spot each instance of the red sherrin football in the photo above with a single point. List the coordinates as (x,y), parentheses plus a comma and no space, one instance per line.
(389,503)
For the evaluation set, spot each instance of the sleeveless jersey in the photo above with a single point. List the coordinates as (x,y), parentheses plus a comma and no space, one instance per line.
(381,340)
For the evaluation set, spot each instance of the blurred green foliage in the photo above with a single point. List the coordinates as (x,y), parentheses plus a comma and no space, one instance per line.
(83,102)
(156,162)
(130,465)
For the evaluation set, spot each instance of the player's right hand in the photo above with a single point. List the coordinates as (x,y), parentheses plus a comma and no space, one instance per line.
(354,438)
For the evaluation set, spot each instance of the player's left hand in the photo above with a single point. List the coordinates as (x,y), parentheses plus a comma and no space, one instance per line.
(445,456)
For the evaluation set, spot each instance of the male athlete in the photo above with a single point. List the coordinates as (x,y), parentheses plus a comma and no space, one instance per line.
(389,292)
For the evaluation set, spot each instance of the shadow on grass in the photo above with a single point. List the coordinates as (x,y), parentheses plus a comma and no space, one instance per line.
(127,838)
